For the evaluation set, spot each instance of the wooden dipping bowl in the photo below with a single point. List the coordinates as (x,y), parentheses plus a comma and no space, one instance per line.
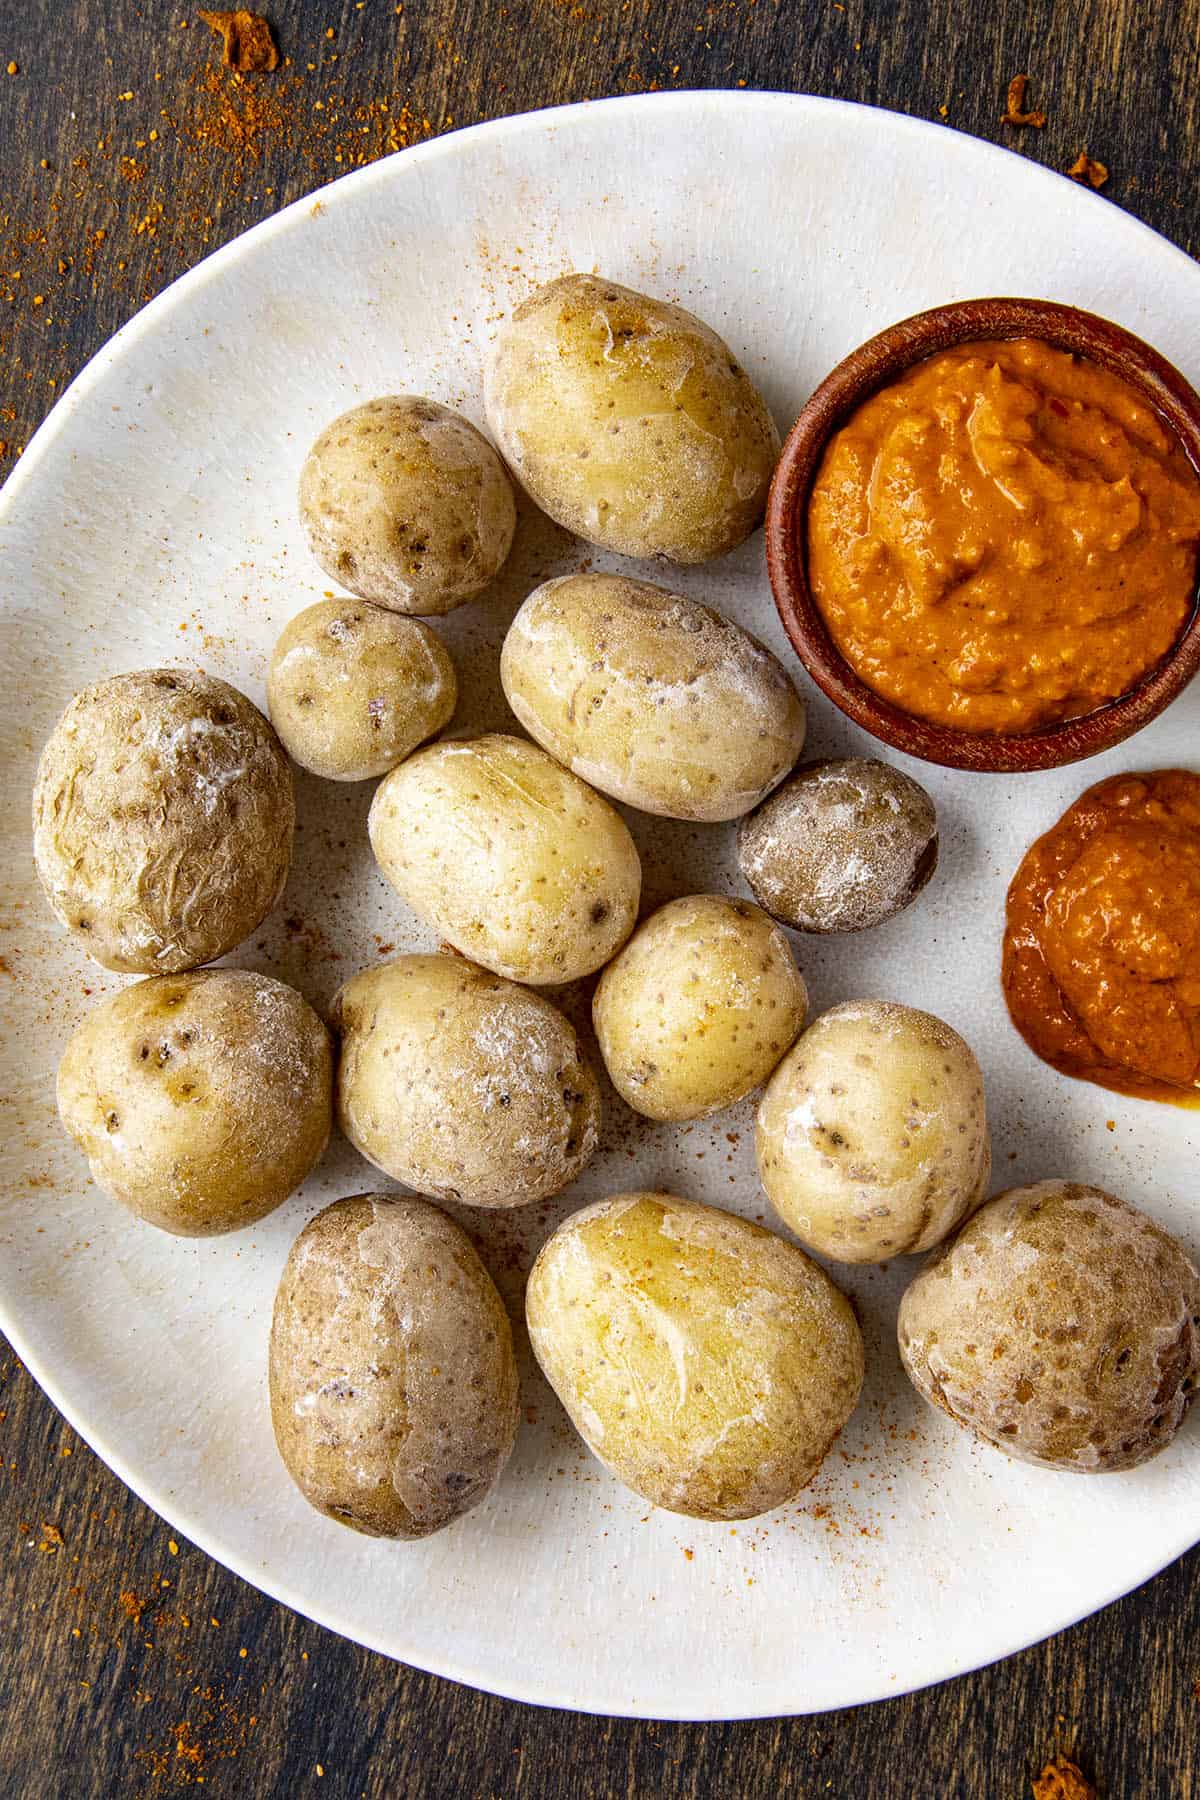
(874,365)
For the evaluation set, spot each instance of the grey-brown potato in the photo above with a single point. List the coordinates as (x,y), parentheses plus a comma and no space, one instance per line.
(651,697)
(841,846)
(698,1007)
(200,1100)
(162,819)
(706,1362)
(392,1379)
(462,1085)
(629,421)
(872,1133)
(1061,1325)
(407,505)
(353,689)
(514,860)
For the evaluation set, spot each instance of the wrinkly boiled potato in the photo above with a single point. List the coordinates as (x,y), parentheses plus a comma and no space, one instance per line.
(630,422)
(162,819)
(392,1379)
(707,1363)
(872,1133)
(515,861)
(407,505)
(1062,1325)
(698,1007)
(461,1085)
(353,690)
(651,697)
(842,846)
(200,1100)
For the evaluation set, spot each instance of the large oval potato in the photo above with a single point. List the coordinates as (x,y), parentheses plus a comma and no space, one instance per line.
(407,505)
(515,861)
(706,1362)
(162,819)
(651,697)
(392,1378)
(629,421)
(200,1100)
(461,1085)
(1061,1325)
(698,1007)
(872,1132)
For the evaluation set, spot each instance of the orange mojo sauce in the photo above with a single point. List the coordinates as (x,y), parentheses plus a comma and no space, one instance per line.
(1004,537)
(1102,944)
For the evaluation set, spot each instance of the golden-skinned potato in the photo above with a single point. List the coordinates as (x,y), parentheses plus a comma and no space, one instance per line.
(1061,1325)
(872,1132)
(707,1363)
(698,1008)
(392,1379)
(629,421)
(651,697)
(514,860)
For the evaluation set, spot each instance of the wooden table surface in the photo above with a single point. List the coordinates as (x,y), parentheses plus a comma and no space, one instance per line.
(132,1664)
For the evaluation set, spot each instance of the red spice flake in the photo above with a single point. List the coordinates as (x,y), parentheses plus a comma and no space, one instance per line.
(131,1604)
(1014,109)
(187,1748)
(689,1554)
(247,42)
(1085,168)
(1063,1780)
(52,1539)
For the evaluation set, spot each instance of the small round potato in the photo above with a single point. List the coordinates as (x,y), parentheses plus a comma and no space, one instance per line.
(162,820)
(630,422)
(407,505)
(706,1362)
(515,861)
(1061,1325)
(872,1133)
(842,846)
(353,690)
(392,1378)
(698,1008)
(200,1100)
(461,1085)
(651,697)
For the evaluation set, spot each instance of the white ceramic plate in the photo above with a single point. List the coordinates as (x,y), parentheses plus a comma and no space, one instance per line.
(153,520)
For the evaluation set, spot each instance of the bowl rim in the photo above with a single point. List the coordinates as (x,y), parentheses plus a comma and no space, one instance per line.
(873,365)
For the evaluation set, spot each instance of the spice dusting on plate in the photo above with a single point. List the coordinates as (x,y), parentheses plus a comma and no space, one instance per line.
(1015,111)
(1062,1780)
(246,40)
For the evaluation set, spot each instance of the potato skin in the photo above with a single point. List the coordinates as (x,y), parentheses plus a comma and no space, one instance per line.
(707,1363)
(844,845)
(515,861)
(651,697)
(698,1008)
(353,690)
(162,819)
(392,1379)
(462,1085)
(200,1100)
(1061,1325)
(872,1133)
(407,505)
(629,421)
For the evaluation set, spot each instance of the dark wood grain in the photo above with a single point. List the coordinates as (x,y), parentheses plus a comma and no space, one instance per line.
(122,1670)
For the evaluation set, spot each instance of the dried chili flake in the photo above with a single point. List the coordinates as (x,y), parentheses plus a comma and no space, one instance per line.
(1014,107)
(1085,168)
(247,41)
(1063,1780)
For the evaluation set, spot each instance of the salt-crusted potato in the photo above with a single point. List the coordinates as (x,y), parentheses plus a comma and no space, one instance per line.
(872,1133)
(162,819)
(461,1085)
(698,1008)
(651,697)
(629,421)
(842,846)
(407,505)
(1062,1325)
(353,689)
(515,861)
(200,1100)
(707,1363)
(392,1379)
